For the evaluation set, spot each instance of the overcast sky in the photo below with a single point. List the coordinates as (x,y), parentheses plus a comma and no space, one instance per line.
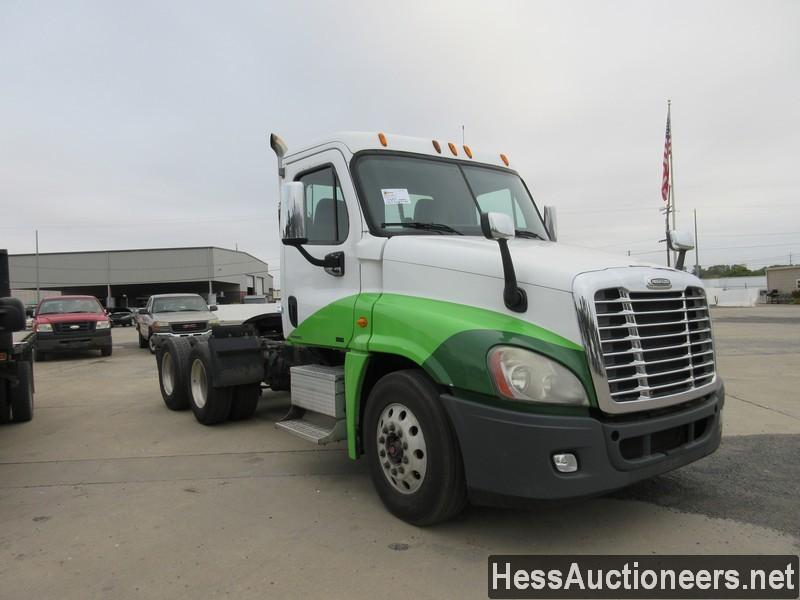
(144,124)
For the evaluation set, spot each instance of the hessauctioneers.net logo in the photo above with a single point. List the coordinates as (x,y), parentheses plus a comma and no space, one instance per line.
(667,576)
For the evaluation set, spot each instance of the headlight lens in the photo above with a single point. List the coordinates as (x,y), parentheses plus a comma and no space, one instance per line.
(102,325)
(44,327)
(160,326)
(524,375)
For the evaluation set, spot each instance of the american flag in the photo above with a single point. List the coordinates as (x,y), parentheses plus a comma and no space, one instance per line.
(667,154)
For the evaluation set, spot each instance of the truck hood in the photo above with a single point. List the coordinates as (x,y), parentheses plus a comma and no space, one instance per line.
(69,317)
(538,263)
(185,316)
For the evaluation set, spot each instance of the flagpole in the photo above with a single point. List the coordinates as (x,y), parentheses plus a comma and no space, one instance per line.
(671,169)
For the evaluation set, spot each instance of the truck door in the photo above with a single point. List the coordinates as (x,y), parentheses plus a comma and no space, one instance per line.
(317,304)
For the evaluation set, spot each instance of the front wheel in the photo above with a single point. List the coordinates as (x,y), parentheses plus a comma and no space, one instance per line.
(414,460)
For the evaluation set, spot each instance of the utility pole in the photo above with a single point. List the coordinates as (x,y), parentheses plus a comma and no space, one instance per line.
(37,268)
(696,243)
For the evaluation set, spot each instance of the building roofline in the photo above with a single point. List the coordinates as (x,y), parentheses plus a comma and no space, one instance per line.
(141,250)
(782,268)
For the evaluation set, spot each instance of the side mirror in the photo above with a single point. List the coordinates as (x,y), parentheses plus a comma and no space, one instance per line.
(551,222)
(681,242)
(497,226)
(500,227)
(213,308)
(293,220)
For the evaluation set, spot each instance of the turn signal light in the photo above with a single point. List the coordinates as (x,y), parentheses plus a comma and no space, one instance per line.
(362,322)
(382,139)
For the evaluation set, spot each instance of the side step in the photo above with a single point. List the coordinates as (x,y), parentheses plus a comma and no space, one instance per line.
(318,434)
(317,411)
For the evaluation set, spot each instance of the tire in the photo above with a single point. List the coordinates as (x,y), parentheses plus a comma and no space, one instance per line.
(142,341)
(20,396)
(244,402)
(39,356)
(151,343)
(105,351)
(172,359)
(429,470)
(5,407)
(210,405)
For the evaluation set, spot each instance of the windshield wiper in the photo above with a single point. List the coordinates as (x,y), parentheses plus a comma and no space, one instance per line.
(438,227)
(524,233)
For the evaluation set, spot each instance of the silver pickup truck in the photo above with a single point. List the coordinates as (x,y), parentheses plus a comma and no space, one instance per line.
(173,315)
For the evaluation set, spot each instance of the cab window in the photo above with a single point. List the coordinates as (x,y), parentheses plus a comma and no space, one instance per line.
(325,208)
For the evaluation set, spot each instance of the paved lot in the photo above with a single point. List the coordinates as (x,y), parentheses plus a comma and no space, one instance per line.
(107,494)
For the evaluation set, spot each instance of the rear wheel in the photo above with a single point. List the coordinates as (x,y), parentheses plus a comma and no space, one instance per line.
(5,408)
(105,351)
(142,341)
(210,405)
(172,359)
(39,356)
(414,460)
(245,401)
(20,396)
(151,343)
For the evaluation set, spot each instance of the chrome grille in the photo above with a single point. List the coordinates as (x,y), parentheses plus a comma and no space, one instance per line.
(189,327)
(654,344)
(73,327)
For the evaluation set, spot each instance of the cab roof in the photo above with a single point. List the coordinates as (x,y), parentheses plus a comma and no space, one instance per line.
(358,141)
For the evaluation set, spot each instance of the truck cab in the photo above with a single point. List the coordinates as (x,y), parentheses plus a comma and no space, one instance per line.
(431,318)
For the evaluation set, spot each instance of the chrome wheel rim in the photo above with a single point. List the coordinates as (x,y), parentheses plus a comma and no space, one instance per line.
(198,383)
(167,373)
(402,452)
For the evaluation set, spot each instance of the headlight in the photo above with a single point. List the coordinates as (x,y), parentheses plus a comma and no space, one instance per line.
(102,325)
(524,375)
(161,326)
(44,327)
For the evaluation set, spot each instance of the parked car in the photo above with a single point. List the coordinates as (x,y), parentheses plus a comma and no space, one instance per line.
(70,323)
(121,316)
(173,315)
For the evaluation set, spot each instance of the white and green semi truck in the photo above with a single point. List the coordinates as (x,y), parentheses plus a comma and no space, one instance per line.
(431,319)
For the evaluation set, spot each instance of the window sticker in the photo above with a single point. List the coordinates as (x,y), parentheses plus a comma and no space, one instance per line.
(395,196)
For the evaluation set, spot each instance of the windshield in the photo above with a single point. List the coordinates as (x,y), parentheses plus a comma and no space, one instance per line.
(70,305)
(404,194)
(179,304)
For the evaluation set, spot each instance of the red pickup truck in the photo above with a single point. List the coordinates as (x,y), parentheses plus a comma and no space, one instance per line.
(70,323)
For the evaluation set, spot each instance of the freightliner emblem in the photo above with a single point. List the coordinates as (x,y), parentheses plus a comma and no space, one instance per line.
(659,283)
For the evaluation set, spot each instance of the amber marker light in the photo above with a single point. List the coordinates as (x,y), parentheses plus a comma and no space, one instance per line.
(453,148)
(467,151)
(382,139)
(362,322)
(504,158)
(437,146)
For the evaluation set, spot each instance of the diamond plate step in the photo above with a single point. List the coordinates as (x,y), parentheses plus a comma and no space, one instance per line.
(318,434)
